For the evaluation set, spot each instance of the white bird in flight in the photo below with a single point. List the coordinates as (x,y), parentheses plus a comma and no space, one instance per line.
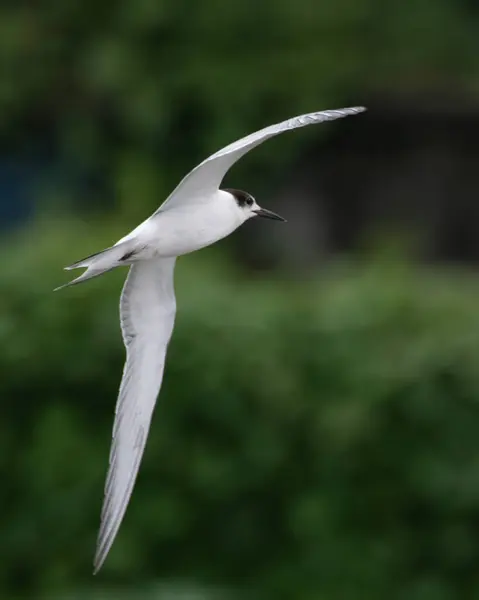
(196,214)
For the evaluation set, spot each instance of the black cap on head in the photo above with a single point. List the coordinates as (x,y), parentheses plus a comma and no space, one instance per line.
(242,198)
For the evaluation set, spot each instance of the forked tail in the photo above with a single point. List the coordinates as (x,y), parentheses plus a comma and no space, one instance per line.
(100,262)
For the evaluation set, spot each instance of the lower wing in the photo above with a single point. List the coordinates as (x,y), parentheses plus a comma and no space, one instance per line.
(147,314)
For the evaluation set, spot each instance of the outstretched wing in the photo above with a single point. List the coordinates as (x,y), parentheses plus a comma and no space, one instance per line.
(206,178)
(147,314)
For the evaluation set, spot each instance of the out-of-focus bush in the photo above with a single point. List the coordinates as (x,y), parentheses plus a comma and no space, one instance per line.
(312,440)
(148,592)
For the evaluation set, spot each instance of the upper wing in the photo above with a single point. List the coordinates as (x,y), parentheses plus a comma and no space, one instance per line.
(206,178)
(147,314)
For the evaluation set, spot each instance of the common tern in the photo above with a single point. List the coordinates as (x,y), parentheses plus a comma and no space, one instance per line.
(195,215)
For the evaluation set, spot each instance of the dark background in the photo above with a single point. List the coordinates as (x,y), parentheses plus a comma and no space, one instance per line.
(317,434)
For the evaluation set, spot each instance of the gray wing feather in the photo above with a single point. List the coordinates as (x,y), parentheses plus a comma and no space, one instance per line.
(147,314)
(206,178)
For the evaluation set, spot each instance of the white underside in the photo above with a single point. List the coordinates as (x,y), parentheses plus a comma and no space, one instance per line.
(183,229)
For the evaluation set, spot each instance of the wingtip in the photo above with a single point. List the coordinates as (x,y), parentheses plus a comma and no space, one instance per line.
(357,109)
(346,111)
(98,561)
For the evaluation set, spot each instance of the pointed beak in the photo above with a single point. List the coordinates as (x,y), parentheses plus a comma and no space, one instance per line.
(268,214)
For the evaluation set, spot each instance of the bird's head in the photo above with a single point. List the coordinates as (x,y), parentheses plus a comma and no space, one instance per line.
(249,208)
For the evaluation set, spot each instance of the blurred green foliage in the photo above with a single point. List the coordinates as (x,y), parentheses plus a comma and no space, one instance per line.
(312,440)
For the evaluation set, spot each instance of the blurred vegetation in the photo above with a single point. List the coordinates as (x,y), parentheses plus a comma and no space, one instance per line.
(315,440)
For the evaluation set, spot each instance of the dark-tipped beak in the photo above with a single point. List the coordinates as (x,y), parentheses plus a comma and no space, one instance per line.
(268,214)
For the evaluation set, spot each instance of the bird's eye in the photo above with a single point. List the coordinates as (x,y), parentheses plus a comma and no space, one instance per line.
(249,202)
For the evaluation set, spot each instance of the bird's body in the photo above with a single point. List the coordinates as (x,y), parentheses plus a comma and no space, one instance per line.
(183,229)
(197,214)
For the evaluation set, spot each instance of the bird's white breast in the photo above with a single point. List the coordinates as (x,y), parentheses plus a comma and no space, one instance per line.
(183,229)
